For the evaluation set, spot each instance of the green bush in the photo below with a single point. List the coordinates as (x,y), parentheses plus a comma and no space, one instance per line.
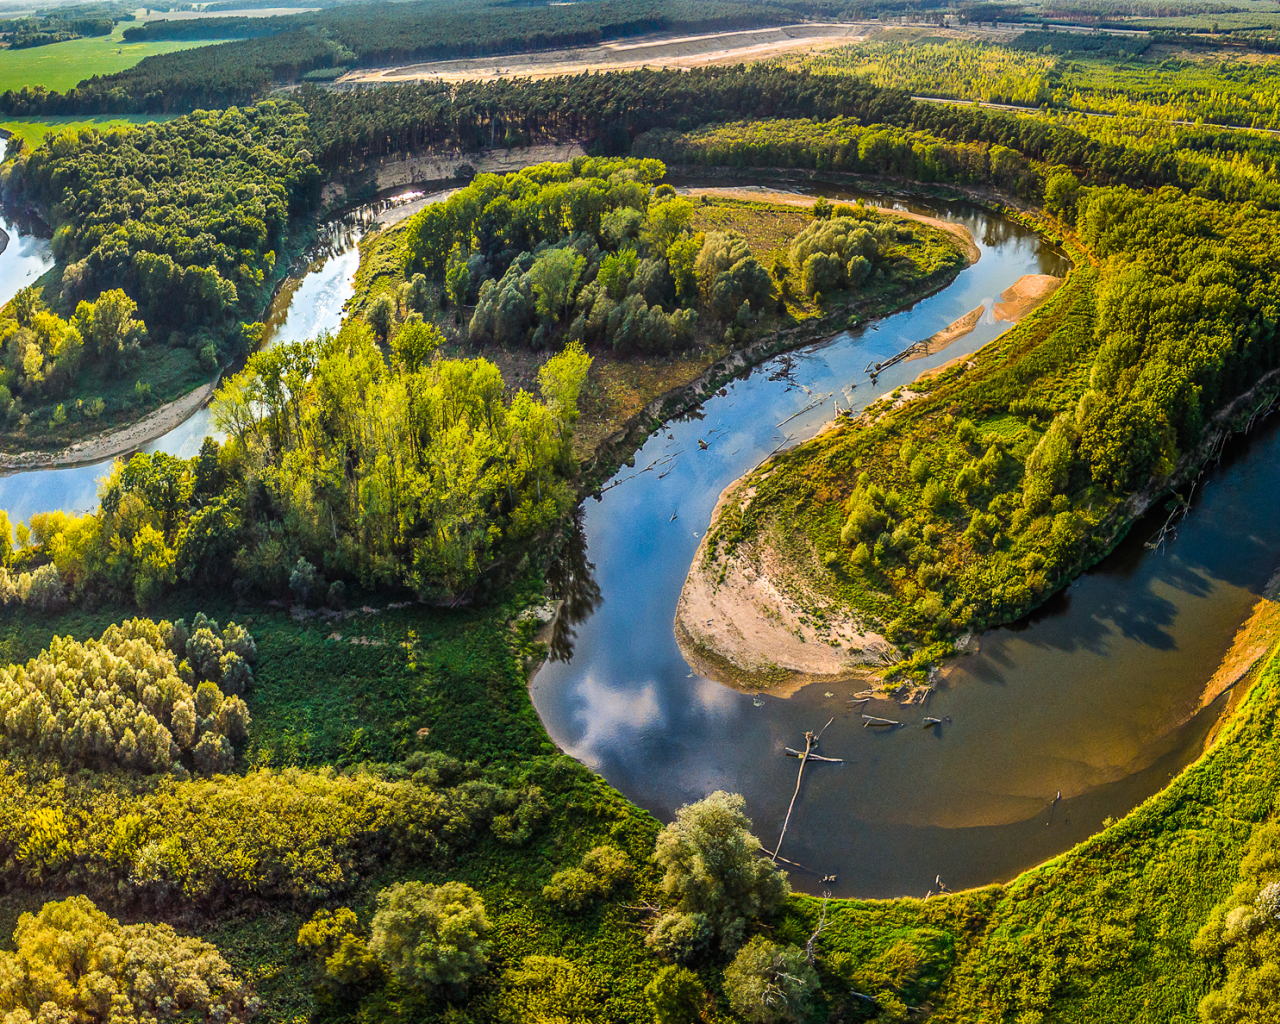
(431,937)
(770,984)
(123,700)
(711,868)
(73,963)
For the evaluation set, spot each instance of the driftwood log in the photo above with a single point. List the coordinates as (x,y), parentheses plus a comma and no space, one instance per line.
(810,741)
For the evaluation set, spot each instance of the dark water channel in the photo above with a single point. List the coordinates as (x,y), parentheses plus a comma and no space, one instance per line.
(1095,695)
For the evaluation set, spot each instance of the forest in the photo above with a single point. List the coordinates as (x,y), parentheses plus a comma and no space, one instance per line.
(185,215)
(268,746)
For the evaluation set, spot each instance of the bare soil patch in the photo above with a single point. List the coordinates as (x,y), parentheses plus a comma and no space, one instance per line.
(680,52)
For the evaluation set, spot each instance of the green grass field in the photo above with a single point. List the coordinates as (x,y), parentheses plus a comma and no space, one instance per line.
(33,132)
(60,66)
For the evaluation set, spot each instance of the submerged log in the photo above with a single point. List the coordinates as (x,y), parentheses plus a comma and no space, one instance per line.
(873,720)
(932,721)
(813,757)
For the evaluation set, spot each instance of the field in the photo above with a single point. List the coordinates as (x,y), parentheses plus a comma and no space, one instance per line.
(33,132)
(62,66)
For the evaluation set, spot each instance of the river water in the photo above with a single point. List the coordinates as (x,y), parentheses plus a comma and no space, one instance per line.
(1094,696)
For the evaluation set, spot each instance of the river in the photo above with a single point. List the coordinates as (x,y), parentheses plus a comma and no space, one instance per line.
(1093,696)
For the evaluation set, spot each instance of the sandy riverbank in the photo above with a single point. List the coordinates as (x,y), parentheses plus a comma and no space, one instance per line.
(111,443)
(748,620)
(1016,301)
(740,623)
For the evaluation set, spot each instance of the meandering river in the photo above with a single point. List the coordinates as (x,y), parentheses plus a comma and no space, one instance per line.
(307,303)
(1093,696)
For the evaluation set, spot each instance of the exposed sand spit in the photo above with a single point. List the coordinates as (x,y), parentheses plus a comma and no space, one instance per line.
(738,622)
(1016,301)
(115,442)
(1024,295)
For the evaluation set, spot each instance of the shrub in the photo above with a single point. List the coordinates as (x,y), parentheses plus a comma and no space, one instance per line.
(680,936)
(306,583)
(712,868)
(550,989)
(604,868)
(88,965)
(120,701)
(431,936)
(1268,902)
(768,983)
(676,996)
(334,938)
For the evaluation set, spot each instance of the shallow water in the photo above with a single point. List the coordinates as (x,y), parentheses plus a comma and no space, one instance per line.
(1091,696)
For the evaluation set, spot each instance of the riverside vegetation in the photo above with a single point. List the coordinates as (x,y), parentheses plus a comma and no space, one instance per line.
(357,815)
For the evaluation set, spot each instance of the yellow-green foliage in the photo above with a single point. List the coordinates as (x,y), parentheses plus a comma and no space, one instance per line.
(604,869)
(1244,932)
(75,965)
(122,700)
(431,937)
(288,833)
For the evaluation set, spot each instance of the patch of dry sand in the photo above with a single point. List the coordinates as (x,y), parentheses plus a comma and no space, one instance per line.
(747,631)
(1024,295)
(1016,301)
(681,52)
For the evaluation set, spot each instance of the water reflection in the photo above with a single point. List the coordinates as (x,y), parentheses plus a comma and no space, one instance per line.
(1095,695)
(572,582)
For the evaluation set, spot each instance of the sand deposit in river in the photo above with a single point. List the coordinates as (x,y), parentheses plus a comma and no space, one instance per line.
(745,622)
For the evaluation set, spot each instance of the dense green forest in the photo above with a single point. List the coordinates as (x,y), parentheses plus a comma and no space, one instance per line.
(313,785)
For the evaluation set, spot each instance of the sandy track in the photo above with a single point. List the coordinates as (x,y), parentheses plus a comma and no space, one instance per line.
(115,442)
(681,52)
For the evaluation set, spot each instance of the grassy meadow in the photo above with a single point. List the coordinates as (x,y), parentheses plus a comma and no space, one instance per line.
(62,66)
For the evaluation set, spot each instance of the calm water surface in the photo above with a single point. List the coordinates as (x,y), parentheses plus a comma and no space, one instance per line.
(1094,696)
